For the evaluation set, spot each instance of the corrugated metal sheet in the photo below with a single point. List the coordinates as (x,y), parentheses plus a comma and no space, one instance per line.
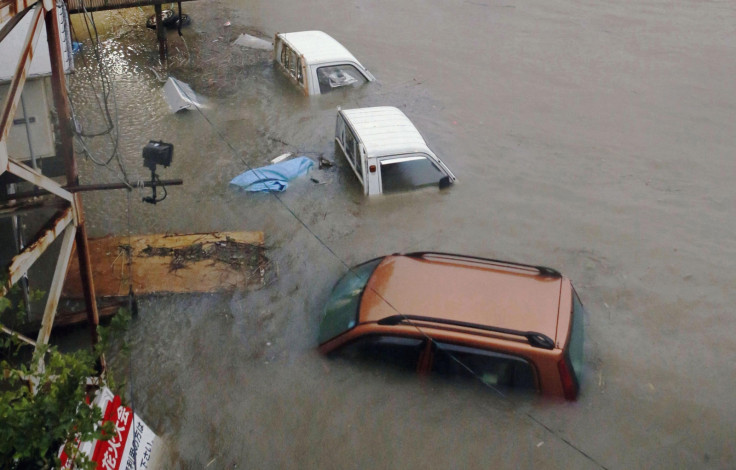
(385,131)
(318,47)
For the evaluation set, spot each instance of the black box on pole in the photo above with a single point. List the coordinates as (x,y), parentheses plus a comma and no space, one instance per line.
(157,153)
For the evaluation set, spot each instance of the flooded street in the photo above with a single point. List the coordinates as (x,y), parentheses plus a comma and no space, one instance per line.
(591,137)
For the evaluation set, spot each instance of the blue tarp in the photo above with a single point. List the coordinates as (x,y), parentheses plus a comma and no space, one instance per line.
(273,177)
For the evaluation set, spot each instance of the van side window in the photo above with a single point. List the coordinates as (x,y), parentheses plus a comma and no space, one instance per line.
(492,368)
(338,76)
(352,152)
(340,130)
(408,172)
(299,74)
(350,146)
(292,63)
(285,56)
(358,160)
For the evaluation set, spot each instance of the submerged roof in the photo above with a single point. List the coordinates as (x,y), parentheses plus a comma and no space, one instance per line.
(463,289)
(318,47)
(385,130)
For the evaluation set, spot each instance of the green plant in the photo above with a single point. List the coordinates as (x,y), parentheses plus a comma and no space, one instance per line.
(43,408)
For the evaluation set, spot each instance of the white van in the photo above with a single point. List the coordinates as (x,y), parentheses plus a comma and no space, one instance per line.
(317,63)
(386,151)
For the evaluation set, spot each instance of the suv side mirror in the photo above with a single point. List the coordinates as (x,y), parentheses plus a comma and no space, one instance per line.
(444,182)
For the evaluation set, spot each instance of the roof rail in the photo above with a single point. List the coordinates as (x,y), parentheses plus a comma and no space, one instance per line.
(537,340)
(543,271)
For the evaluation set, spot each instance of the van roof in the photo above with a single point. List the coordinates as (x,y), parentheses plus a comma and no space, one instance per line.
(385,130)
(318,47)
(465,289)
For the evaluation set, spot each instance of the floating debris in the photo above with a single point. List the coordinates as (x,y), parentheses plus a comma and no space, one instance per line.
(233,253)
(246,40)
(179,95)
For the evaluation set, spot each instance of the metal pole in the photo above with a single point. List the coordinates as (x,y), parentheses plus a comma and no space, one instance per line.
(160,34)
(18,236)
(66,151)
(97,187)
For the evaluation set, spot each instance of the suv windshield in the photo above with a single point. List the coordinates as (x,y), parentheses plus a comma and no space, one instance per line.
(341,311)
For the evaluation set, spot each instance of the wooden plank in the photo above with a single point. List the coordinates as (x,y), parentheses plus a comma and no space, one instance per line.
(172,263)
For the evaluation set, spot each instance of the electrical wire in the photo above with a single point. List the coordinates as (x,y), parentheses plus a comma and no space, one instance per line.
(104,92)
(108,93)
(337,257)
(350,270)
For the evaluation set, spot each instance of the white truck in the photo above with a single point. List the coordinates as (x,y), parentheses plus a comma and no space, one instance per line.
(317,63)
(386,152)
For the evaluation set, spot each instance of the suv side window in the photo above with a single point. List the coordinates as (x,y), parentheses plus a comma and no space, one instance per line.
(402,353)
(493,368)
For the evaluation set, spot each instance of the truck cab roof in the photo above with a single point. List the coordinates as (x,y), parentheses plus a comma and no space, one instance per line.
(385,130)
(317,47)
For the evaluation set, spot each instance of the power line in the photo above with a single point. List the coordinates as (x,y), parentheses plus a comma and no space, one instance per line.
(112,129)
(390,305)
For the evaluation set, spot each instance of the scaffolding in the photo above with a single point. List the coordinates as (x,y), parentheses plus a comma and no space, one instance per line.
(68,220)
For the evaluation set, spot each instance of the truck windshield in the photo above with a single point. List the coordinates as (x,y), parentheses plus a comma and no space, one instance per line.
(408,172)
(575,349)
(341,311)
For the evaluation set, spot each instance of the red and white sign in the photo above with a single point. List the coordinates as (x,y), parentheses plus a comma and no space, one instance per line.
(125,450)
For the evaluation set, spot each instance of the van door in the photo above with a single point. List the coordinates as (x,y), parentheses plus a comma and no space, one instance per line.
(350,147)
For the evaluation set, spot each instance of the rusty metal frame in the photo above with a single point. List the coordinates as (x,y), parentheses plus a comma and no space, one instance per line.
(17,207)
(70,220)
(22,262)
(57,284)
(10,8)
(19,78)
(38,179)
(20,336)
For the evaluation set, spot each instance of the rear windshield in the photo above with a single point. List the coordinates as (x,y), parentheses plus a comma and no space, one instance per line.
(341,310)
(409,172)
(575,349)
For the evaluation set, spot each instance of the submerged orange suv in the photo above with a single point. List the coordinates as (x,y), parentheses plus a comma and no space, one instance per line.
(510,325)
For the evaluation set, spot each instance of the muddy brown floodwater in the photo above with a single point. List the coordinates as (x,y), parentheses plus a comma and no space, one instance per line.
(595,137)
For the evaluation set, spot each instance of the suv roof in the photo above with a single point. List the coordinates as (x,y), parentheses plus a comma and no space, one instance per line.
(514,324)
(318,47)
(464,289)
(385,130)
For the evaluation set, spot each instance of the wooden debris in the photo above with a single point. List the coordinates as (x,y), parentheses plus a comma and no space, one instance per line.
(171,263)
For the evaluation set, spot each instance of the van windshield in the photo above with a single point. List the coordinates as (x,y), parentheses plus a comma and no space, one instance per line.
(409,172)
(337,76)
